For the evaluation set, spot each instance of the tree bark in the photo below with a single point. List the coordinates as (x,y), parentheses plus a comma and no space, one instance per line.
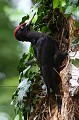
(47,109)
(70,99)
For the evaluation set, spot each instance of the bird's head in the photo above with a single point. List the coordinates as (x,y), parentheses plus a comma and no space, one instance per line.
(21,31)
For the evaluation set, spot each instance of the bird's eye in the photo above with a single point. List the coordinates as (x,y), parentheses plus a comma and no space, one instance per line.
(22,27)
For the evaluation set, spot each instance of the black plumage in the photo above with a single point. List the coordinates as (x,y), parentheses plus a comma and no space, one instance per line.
(47,54)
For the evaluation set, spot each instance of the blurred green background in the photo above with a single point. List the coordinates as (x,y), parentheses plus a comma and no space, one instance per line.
(10,52)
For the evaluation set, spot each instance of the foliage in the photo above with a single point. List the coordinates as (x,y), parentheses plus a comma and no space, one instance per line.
(30,87)
(47,16)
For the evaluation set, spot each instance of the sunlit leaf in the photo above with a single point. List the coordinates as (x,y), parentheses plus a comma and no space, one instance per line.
(17,117)
(31,50)
(55,3)
(63,3)
(70,9)
(34,69)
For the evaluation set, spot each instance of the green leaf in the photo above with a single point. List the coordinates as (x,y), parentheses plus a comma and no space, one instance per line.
(55,3)
(17,117)
(77,24)
(76,41)
(39,19)
(70,9)
(20,115)
(28,57)
(63,3)
(24,19)
(44,29)
(31,50)
(76,62)
(34,69)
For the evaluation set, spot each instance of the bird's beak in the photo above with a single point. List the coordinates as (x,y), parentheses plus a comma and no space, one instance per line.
(30,21)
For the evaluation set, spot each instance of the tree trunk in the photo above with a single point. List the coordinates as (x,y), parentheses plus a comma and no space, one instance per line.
(70,99)
(47,109)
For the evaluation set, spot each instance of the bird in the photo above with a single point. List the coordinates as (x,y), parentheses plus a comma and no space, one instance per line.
(48,55)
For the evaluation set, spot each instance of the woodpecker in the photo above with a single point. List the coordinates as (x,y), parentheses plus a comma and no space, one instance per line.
(47,53)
